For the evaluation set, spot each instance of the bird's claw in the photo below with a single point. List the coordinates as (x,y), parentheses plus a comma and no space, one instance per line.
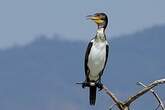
(85,84)
(100,86)
(88,84)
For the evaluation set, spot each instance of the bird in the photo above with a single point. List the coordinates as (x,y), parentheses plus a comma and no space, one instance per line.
(96,56)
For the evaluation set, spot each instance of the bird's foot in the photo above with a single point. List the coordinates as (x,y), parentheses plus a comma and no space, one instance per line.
(100,86)
(85,84)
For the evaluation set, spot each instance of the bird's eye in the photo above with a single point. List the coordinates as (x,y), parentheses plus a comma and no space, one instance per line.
(102,17)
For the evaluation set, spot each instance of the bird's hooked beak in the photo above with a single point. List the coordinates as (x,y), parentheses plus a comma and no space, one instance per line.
(95,18)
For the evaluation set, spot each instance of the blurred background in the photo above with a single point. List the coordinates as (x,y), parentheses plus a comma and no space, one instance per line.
(43,43)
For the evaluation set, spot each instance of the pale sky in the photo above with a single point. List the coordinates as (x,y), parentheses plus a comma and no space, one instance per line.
(21,21)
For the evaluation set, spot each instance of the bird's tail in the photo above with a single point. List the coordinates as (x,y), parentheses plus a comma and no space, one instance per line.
(92,95)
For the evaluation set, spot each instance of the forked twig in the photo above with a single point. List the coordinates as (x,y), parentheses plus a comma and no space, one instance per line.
(124,105)
(145,90)
(156,96)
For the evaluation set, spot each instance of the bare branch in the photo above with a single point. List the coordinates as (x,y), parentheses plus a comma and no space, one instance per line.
(156,96)
(114,98)
(143,91)
(157,107)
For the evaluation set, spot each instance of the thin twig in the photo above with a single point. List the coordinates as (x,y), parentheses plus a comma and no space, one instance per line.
(156,96)
(157,107)
(110,108)
(114,98)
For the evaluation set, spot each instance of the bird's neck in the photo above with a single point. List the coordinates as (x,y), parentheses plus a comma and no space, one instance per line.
(100,35)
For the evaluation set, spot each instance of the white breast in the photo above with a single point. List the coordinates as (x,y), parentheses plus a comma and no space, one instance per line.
(96,59)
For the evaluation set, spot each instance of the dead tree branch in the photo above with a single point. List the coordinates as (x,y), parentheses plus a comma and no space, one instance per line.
(114,98)
(143,91)
(124,105)
(117,102)
(156,96)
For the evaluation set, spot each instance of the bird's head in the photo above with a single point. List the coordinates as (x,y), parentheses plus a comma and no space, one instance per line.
(100,19)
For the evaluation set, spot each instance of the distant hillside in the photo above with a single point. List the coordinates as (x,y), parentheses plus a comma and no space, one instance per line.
(42,75)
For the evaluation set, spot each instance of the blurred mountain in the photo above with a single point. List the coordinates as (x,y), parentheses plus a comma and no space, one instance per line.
(42,75)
